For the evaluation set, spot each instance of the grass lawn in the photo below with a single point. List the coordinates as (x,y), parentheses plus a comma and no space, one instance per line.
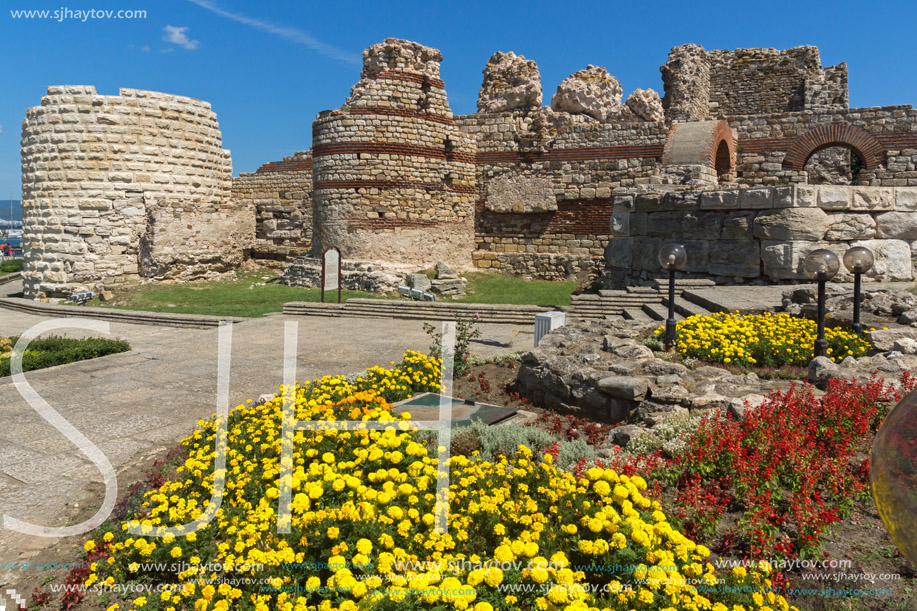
(485,287)
(258,292)
(254,294)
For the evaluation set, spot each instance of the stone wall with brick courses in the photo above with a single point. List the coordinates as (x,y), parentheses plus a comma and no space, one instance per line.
(579,162)
(280,192)
(703,84)
(120,186)
(763,233)
(764,142)
(393,176)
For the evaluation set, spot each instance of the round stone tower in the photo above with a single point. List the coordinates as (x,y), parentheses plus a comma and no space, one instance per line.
(132,185)
(393,176)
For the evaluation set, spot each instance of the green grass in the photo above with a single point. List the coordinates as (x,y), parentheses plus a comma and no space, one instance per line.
(259,292)
(485,287)
(11,266)
(51,351)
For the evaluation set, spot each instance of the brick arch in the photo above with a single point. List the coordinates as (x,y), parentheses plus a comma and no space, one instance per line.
(722,133)
(864,144)
(696,143)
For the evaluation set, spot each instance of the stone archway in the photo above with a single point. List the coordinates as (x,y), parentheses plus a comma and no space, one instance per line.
(866,146)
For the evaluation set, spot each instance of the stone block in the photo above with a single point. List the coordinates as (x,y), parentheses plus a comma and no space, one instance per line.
(896,225)
(834,198)
(623,201)
(719,200)
(844,226)
(755,199)
(785,197)
(681,200)
(702,225)
(619,252)
(805,197)
(638,223)
(739,225)
(646,202)
(783,259)
(893,259)
(520,194)
(873,198)
(791,224)
(646,254)
(698,255)
(906,199)
(419,282)
(664,224)
(735,258)
(620,223)
(625,387)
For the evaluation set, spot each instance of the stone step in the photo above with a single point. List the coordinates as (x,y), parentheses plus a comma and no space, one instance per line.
(702,301)
(657,311)
(636,315)
(687,308)
(662,284)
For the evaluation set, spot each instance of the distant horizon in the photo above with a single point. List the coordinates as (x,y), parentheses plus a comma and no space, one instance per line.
(5,210)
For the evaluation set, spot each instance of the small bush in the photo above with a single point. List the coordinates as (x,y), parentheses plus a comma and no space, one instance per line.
(503,441)
(11,266)
(51,351)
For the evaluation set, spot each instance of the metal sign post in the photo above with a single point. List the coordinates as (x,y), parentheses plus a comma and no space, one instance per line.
(331,271)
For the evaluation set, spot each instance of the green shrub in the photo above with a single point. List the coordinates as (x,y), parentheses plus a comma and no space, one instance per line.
(503,440)
(51,351)
(11,266)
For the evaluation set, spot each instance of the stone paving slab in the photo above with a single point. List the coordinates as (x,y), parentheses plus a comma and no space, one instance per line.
(135,404)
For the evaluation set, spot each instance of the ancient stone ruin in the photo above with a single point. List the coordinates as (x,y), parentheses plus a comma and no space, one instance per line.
(752,157)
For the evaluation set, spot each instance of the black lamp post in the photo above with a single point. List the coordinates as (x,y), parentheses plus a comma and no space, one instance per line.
(821,264)
(671,257)
(858,260)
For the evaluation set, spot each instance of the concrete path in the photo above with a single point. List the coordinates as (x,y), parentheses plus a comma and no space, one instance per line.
(133,405)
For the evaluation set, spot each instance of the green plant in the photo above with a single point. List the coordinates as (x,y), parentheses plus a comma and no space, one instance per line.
(466,329)
(11,266)
(499,441)
(51,351)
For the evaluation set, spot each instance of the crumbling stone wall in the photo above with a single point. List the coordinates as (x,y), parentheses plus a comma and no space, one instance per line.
(281,194)
(762,233)
(393,175)
(703,84)
(125,186)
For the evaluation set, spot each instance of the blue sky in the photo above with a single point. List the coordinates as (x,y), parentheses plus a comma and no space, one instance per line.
(269,67)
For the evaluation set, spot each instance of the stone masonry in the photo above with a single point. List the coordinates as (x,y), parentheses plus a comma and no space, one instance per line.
(127,186)
(137,185)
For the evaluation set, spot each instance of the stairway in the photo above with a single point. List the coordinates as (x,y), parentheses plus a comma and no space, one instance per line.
(642,303)
(421,310)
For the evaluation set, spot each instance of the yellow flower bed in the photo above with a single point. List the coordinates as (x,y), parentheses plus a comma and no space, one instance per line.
(760,340)
(520,531)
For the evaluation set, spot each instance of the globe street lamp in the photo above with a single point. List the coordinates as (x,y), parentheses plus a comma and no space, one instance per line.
(821,264)
(671,257)
(858,260)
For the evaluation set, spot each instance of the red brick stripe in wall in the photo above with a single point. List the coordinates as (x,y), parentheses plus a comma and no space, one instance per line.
(400,112)
(400,75)
(574,154)
(389,184)
(580,217)
(864,143)
(285,166)
(387,148)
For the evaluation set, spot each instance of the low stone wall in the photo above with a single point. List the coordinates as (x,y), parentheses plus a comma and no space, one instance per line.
(370,276)
(763,233)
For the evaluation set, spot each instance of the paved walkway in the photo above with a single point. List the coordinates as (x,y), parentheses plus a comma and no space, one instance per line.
(135,404)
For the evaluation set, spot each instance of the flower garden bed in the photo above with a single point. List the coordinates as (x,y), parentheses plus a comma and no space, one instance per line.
(522,534)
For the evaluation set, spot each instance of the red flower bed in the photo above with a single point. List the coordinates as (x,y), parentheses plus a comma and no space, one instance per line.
(792,467)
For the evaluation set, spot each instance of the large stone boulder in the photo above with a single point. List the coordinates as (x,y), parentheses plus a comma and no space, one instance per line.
(897,225)
(791,224)
(592,92)
(646,104)
(510,81)
(845,226)
(893,259)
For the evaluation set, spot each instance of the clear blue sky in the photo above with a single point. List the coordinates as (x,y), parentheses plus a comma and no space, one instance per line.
(269,67)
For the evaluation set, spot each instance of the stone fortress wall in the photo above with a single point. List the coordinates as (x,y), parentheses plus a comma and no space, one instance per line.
(133,185)
(280,193)
(518,186)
